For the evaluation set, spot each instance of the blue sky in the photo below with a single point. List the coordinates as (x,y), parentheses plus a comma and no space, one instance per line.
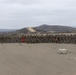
(16,14)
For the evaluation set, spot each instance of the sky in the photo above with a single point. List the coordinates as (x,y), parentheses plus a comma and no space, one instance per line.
(16,14)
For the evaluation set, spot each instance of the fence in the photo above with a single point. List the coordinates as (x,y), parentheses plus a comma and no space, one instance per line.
(39,39)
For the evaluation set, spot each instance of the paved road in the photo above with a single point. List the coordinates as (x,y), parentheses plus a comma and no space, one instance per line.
(36,59)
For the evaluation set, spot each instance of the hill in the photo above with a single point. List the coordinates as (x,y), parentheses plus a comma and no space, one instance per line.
(47,29)
(4,31)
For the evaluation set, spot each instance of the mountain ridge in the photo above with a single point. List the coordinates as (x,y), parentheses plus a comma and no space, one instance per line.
(49,28)
(40,29)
